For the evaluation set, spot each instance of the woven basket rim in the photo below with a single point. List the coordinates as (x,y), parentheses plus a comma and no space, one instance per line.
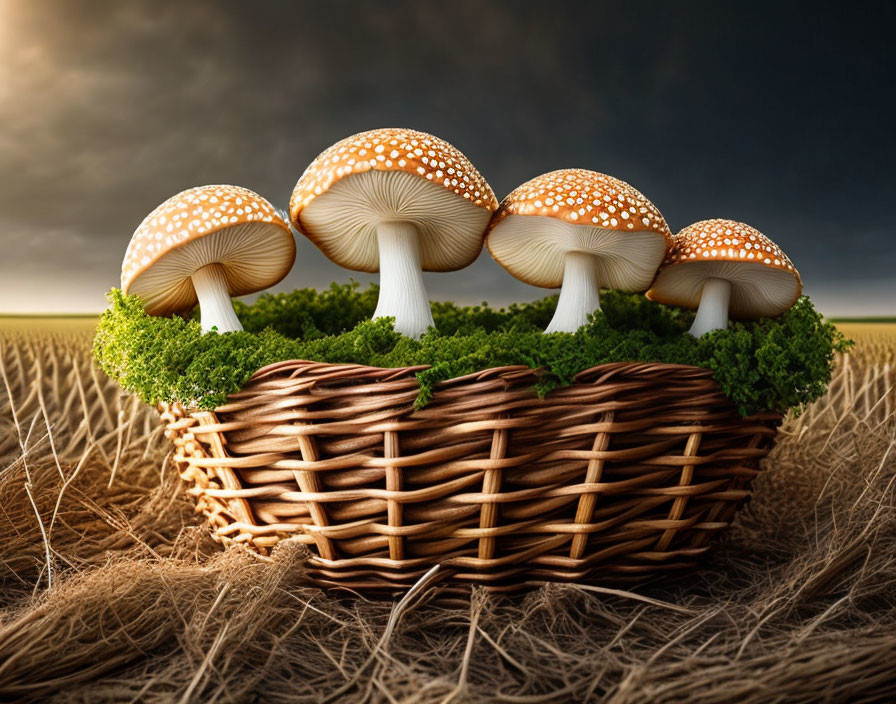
(522,370)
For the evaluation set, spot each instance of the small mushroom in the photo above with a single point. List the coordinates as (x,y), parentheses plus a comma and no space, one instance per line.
(207,244)
(396,201)
(582,231)
(722,268)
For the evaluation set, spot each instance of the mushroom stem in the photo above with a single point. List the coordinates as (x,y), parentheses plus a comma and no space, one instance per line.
(402,294)
(215,306)
(579,294)
(712,314)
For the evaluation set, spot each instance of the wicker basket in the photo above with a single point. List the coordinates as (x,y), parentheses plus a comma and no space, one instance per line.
(628,472)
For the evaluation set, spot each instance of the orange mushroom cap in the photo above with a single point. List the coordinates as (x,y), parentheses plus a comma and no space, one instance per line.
(764,281)
(218,224)
(577,210)
(393,174)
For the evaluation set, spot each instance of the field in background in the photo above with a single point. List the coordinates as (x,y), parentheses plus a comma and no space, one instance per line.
(111,590)
(62,323)
(885,332)
(78,323)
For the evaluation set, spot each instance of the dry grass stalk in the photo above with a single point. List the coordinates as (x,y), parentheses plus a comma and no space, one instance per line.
(797,604)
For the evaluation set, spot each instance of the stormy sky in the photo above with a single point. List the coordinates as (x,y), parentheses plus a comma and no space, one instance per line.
(778,114)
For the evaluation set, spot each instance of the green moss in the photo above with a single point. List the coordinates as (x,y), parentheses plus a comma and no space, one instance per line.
(766,365)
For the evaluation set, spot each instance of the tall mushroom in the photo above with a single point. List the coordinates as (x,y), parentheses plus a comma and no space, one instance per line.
(722,268)
(396,201)
(207,244)
(582,231)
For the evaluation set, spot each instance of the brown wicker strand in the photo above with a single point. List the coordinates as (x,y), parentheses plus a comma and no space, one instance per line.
(722,513)
(309,482)
(491,484)
(587,501)
(687,474)
(394,483)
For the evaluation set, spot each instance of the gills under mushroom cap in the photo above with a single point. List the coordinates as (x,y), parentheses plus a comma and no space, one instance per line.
(228,226)
(764,282)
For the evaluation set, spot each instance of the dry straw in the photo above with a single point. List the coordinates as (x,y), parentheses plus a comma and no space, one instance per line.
(796,604)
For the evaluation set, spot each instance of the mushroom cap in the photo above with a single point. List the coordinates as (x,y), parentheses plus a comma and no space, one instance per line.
(764,282)
(393,174)
(227,225)
(577,210)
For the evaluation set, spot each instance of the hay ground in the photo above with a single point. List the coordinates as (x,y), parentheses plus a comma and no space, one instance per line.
(113,591)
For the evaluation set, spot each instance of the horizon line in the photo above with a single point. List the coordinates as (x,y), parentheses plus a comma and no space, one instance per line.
(830,319)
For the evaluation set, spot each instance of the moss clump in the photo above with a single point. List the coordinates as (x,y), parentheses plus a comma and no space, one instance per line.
(765,365)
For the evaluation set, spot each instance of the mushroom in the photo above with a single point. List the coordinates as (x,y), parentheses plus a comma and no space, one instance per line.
(396,201)
(582,231)
(206,244)
(726,268)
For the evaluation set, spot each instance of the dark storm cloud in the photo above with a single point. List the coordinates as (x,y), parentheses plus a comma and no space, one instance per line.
(781,118)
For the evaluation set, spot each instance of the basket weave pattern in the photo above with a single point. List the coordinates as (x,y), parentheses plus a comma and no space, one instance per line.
(625,473)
